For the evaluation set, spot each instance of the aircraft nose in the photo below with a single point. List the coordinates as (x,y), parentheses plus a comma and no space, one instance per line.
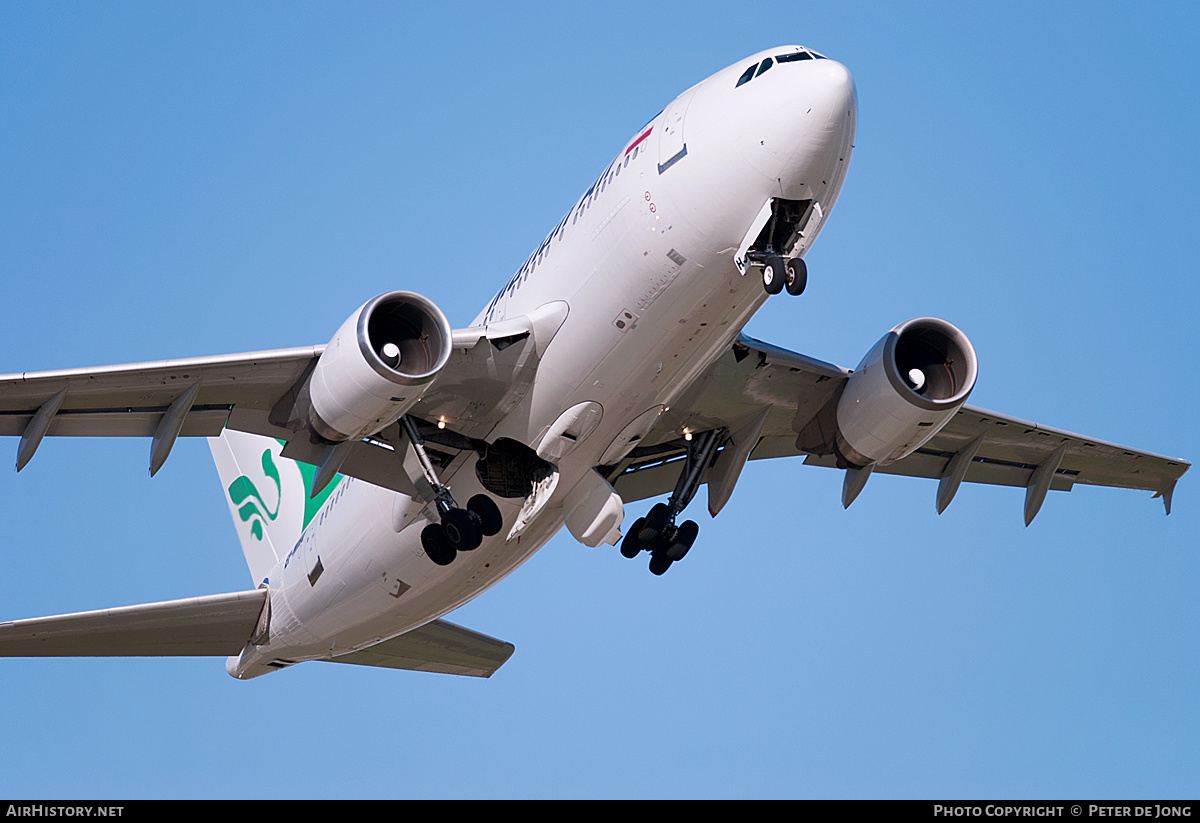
(831,93)
(803,118)
(821,126)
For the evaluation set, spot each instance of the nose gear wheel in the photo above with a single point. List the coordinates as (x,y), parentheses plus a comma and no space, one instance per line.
(782,272)
(797,276)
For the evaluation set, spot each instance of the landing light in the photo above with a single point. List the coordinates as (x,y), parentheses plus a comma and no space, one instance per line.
(441,422)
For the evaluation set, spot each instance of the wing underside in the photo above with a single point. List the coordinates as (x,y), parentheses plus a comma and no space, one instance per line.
(793,390)
(439,646)
(222,624)
(218,624)
(752,380)
(489,370)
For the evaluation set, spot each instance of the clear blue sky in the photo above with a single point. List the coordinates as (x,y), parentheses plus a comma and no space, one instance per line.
(188,179)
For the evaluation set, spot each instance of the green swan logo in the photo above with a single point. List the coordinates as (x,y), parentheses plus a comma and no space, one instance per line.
(251,506)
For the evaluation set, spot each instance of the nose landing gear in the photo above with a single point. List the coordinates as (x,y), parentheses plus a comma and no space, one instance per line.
(656,532)
(780,230)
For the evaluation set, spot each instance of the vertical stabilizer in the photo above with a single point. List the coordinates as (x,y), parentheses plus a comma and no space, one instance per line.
(266,496)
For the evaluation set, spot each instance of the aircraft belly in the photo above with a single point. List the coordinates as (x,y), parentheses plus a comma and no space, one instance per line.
(377,584)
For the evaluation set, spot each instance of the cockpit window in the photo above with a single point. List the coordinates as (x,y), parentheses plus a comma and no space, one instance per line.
(791,57)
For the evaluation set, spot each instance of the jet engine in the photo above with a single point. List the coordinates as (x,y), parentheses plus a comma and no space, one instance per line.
(377,366)
(904,391)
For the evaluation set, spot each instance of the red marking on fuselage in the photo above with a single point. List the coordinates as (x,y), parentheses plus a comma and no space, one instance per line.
(634,144)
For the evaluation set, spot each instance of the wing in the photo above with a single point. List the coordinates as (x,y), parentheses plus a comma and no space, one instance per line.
(217,624)
(490,368)
(439,646)
(131,400)
(221,625)
(776,403)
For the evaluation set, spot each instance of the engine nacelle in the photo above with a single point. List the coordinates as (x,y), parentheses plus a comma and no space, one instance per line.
(904,391)
(377,366)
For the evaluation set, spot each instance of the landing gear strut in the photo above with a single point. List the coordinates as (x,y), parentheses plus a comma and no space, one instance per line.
(657,532)
(460,530)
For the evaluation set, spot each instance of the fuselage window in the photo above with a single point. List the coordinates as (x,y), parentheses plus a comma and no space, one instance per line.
(766,64)
(746,77)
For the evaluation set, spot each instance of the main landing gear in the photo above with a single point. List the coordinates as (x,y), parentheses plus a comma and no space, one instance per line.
(656,532)
(780,272)
(460,530)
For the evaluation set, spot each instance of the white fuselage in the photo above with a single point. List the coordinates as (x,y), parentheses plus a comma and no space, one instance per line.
(645,264)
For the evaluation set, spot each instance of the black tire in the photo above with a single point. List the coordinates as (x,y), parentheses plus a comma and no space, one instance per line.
(655,522)
(797,276)
(685,536)
(659,564)
(631,546)
(490,519)
(461,532)
(433,540)
(774,275)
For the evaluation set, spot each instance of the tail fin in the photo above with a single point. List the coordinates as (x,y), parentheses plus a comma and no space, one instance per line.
(267,496)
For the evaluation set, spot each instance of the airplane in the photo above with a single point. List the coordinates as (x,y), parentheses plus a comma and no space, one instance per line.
(383,479)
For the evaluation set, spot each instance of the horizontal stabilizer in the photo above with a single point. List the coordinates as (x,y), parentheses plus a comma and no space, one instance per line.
(217,624)
(436,647)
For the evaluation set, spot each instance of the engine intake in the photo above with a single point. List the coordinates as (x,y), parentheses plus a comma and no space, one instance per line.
(378,365)
(904,391)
